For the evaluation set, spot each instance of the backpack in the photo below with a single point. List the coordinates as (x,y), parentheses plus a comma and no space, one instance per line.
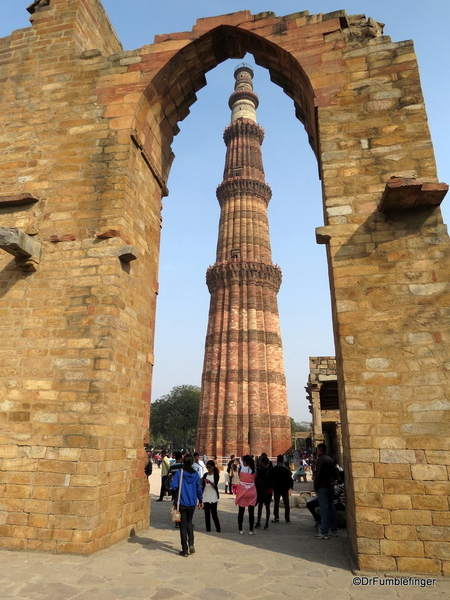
(148,468)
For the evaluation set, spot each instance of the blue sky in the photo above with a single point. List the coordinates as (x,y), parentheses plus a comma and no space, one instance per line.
(191,211)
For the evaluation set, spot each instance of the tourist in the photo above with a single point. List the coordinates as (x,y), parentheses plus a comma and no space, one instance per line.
(324,478)
(165,466)
(246,496)
(282,483)
(228,475)
(191,491)
(300,474)
(263,490)
(259,461)
(210,487)
(199,465)
(339,499)
(234,476)
(311,505)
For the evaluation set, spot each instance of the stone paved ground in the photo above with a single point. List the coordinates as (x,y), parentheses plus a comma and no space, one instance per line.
(281,563)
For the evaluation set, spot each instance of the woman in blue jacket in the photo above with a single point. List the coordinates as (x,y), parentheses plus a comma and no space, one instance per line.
(191,491)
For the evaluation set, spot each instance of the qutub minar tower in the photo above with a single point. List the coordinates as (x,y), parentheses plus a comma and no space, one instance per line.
(243,403)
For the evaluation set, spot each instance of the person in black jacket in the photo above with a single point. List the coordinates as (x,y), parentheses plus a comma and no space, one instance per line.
(324,479)
(281,481)
(263,489)
(210,486)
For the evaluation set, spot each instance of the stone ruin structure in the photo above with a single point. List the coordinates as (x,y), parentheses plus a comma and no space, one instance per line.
(85,133)
(323,397)
(243,406)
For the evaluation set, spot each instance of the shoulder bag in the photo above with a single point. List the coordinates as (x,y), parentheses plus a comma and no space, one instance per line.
(174,513)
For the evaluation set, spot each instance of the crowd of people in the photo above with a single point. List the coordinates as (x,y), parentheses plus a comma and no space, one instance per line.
(191,481)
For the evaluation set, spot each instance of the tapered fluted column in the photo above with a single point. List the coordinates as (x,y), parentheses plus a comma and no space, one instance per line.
(243,404)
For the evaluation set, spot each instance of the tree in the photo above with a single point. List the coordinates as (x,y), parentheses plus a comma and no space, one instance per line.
(174,417)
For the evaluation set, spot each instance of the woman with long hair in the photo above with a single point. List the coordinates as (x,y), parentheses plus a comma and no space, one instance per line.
(210,486)
(246,496)
(191,491)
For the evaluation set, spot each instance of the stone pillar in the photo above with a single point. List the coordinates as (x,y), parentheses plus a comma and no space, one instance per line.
(317,433)
(339,456)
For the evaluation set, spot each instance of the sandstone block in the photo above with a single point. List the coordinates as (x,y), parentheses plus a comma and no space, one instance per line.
(37,506)
(419,565)
(368,546)
(366,484)
(370,530)
(393,470)
(394,486)
(373,515)
(411,517)
(373,562)
(397,456)
(369,455)
(40,521)
(402,548)
(393,501)
(436,457)
(437,487)
(400,532)
(434,533)
(441,518)
(430,502)
(439,550)
(368,499)
(429,472)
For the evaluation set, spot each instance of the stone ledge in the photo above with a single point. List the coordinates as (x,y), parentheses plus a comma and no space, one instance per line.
(24,248)
(403,193)
(17,200)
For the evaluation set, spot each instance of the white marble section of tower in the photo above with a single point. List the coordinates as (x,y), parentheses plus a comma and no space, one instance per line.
(243,107)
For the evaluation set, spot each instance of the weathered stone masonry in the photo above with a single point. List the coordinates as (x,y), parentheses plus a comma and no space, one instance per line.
(86,130)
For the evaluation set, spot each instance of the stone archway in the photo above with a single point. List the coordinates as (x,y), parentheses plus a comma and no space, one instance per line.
(81,424)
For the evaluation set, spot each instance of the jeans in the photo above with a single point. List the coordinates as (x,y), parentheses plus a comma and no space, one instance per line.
(251,517)
(265,503)
(211,510)
(163,491)
(327,511)
(186,527)
(311,505)
(276,504)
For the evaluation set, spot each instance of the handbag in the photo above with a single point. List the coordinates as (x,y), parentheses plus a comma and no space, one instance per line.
(174,513)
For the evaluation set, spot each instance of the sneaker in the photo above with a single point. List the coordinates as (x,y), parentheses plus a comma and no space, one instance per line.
(266,527)
(191,550)
(183,553)
(258,526)
(252,533)
(288,520)
(334,533)
(241,532)
(321,536)
(159,500)
(275,520)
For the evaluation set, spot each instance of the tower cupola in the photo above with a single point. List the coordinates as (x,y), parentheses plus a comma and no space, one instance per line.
(243,101)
